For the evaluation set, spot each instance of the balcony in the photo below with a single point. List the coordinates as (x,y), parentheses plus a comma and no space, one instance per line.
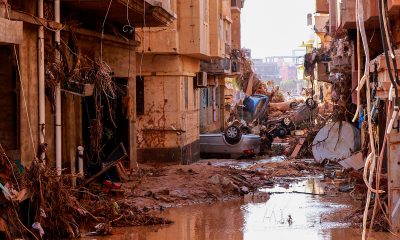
(321,6)
(216,66)
(194,28)
(394,7)
(348,14)
(216,29)
(158,13)
(371,13)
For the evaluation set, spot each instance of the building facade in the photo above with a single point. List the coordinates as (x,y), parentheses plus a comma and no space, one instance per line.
(181,71)
(50,99)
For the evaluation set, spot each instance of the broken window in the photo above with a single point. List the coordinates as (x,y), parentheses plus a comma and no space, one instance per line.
(139,95)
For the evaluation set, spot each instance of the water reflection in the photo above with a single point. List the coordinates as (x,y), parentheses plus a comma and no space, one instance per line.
(239,220)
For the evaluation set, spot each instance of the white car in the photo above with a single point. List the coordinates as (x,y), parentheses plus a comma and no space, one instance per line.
(231,143)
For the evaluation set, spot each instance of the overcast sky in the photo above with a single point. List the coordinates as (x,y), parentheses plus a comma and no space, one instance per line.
(272,28)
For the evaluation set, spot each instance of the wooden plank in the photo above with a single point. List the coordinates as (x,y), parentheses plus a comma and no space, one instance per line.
(123,175)
(31,19)
(297,148)
(11,32)
(94,177)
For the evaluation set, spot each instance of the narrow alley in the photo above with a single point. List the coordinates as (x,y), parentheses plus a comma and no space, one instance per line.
(199,119)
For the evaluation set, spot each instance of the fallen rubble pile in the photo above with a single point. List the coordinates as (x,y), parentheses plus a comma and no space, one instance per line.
(40,204)
(288,168)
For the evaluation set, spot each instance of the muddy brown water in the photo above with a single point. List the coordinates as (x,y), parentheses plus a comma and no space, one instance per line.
(257,219)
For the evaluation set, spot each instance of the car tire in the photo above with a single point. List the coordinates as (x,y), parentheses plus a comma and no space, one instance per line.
(287,122)
(293,105)
(311,103)
(232,135)
(281,132)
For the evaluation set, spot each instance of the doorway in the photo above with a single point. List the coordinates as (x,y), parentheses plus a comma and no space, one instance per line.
(114,125)
(9,122)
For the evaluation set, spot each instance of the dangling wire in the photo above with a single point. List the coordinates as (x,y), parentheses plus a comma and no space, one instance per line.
(102,31)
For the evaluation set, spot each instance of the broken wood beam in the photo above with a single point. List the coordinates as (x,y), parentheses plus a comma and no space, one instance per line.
(105,169)
(297,148)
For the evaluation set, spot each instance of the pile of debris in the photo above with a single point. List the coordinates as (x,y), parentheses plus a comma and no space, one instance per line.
(37,203)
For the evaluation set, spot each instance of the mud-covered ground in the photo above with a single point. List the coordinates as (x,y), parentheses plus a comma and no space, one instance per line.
(159,187)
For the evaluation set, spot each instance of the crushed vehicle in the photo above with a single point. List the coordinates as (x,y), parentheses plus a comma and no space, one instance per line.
(232,143)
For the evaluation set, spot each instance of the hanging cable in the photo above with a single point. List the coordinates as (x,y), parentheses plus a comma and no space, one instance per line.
(390,40)
(371,160)
(102,31)
(385,49)
(361,26)
(358,89)
(370,163)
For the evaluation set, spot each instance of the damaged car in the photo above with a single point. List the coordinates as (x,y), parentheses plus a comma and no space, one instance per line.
(232,143)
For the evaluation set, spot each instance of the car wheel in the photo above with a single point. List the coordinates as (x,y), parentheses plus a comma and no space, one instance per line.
(293,105)
(232,135)
(281,132)
(286,121)
(311,104)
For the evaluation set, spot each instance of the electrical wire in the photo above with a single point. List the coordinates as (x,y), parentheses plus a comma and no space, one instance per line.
(358,68)
(102,31)
(385,48)
(378,174)
(390,40)
(370,163)
(361,27)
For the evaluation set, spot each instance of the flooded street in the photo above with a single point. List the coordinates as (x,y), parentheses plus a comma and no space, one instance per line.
(295,211)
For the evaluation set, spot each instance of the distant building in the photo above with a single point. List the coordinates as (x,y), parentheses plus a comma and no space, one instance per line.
(267,70)
(277,68)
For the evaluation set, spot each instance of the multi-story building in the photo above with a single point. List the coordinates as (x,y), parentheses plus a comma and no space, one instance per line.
(181,71)
(45,46)
(163,56)
(336,27)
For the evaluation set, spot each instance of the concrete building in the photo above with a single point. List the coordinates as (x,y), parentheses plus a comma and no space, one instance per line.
(181,70)
(77,32)
(277,68)
(336,28)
